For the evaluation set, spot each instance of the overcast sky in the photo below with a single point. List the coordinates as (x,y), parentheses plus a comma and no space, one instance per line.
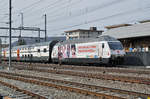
(64,15)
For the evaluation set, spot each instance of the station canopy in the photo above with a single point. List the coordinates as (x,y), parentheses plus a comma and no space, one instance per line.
(141,29)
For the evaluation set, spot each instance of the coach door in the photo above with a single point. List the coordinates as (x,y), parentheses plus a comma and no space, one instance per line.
(51,45)
(18,54)
(38,52)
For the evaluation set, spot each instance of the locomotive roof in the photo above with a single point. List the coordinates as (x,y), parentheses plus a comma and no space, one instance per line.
(84,40)
(37,44)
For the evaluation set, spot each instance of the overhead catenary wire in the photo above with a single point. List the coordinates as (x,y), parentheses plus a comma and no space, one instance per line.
(51,5)
(95,20)
(5,10)
(60,8)
(56,11)
(31,12)
(65,6)
(91,9)
(26,8)
(29,6)
(79,14)
(87,10)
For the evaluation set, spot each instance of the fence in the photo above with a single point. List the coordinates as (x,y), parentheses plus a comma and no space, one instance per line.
(137,58)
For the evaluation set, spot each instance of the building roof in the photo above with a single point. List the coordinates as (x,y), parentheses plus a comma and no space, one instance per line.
(136,30)
(116,26)
(83,30)
(144,21)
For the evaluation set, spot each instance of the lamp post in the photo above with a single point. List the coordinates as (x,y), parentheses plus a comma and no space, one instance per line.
(10,34)
(45,27)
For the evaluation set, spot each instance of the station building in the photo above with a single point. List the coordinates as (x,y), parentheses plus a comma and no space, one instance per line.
(82,33)
(135,38)
(136,41)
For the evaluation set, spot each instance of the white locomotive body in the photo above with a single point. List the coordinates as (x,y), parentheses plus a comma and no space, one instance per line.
(104,49)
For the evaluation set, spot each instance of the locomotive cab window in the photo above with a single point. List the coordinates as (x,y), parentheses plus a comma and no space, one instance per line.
(115,45)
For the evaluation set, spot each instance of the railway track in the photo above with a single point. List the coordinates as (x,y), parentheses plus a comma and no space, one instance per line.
(87,68)
(56,69)
(139,80)
(83,87)
(17,93)
(62,87)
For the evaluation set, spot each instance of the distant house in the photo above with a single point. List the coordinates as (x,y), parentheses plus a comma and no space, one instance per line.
(82,33)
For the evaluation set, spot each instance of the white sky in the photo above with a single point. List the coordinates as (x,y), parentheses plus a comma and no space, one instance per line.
(64,15)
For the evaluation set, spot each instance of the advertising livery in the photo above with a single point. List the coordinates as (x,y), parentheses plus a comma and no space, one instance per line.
(104,49)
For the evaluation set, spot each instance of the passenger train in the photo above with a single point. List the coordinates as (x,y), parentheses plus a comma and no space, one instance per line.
(101,50)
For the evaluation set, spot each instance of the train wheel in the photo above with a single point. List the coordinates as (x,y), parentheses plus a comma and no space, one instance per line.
(60,62)
(113,63)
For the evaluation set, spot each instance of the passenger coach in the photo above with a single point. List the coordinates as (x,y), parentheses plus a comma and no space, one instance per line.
(40,52)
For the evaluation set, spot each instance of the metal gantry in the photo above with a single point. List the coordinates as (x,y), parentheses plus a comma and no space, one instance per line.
(21,28)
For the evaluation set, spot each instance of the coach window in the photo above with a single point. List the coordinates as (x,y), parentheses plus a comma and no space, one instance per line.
(31,55)
(103,45)
(38,50)
(45,50)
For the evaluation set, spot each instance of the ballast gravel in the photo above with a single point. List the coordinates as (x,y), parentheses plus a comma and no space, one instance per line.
(49,93)
(142,88)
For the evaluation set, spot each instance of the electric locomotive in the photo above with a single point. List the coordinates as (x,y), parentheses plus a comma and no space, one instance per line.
(101,50)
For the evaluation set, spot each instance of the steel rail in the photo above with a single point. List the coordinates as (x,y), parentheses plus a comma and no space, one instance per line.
(139,80)
(80,84)
(22,90)
(61,87)
(103,69)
